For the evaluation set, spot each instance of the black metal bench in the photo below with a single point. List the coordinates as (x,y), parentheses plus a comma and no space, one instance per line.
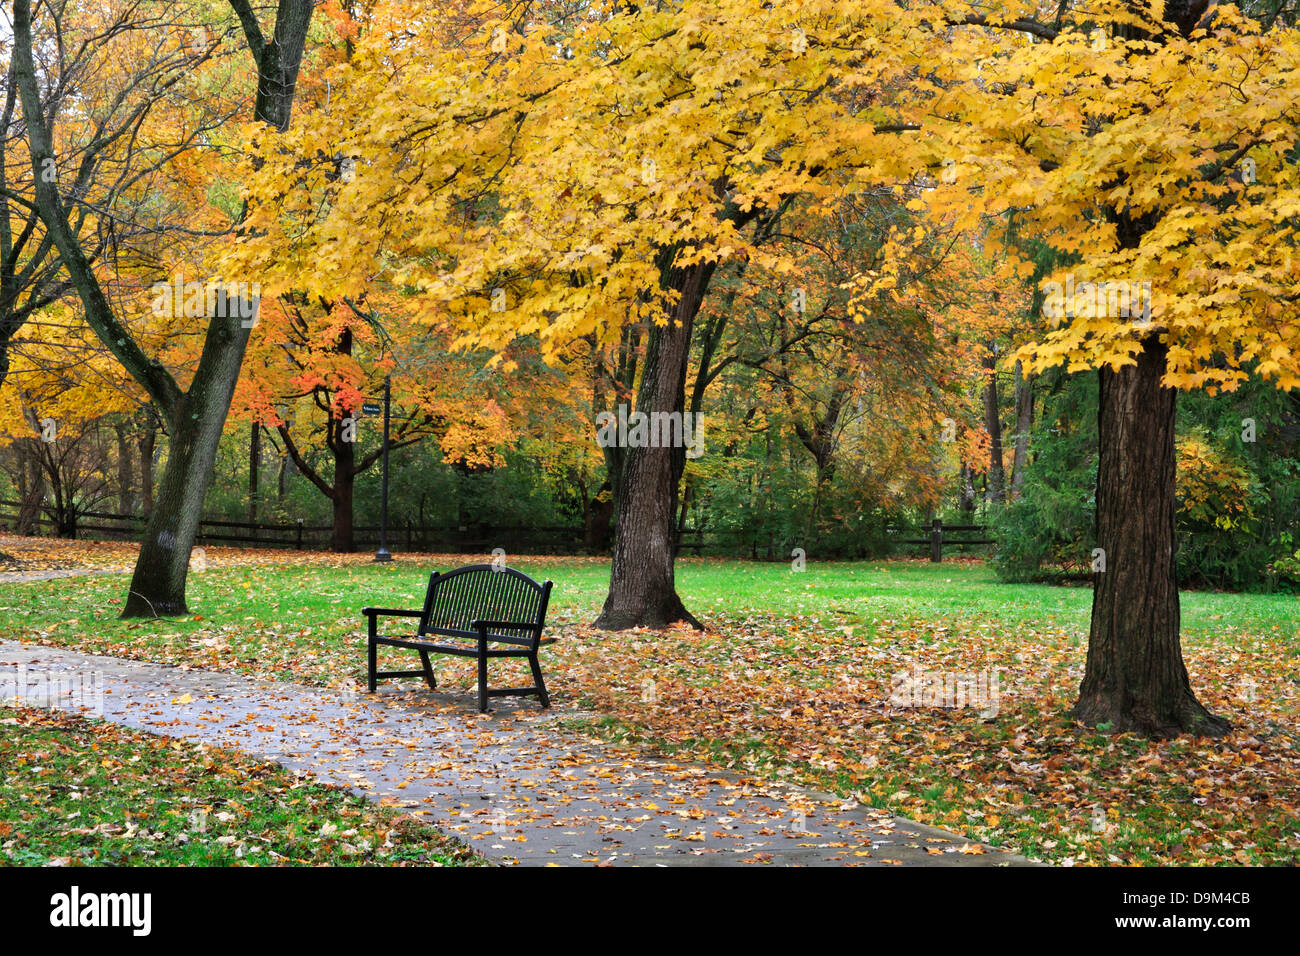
(480,607)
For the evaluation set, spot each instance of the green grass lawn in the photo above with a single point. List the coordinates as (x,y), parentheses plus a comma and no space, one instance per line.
(81,792)
(301,608)
(793,678)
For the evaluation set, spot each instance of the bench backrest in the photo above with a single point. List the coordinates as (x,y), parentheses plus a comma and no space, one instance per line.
(485,592)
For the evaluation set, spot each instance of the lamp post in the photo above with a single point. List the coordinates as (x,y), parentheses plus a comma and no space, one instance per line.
(382,554)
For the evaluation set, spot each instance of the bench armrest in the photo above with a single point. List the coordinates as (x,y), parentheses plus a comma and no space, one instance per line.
(484,626)
(390,612)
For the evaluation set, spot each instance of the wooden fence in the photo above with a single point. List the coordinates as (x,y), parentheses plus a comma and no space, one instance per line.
(409,536)
(939,536)
(299,535)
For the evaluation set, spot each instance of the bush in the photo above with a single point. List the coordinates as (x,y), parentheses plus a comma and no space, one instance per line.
(1286,570)
(1218,540)
(1048,528)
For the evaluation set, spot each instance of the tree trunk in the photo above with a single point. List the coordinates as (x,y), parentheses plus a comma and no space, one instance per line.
(1135,679)
(158,585)
(642,588)
(34,499)
(993,424)
(597,520)
(125,479)
(1024,423)
(966,492)
(254,469)
(620,382)
(342,540)
(148,438)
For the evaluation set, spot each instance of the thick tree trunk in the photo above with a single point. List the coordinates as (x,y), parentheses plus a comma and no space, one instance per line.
(642,589)
(1135,679)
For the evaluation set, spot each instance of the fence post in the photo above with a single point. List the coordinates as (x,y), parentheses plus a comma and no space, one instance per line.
(936,540)
(299,534)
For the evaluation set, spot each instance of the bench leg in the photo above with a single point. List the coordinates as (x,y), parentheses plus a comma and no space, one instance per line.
(482,677)
(538,681)
(372,653)
(428,671)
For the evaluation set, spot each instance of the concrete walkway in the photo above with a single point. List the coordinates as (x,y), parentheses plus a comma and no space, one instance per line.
(513,784)
(26,577)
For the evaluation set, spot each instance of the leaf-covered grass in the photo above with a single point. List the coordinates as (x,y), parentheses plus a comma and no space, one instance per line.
(75,791)
(793,678)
